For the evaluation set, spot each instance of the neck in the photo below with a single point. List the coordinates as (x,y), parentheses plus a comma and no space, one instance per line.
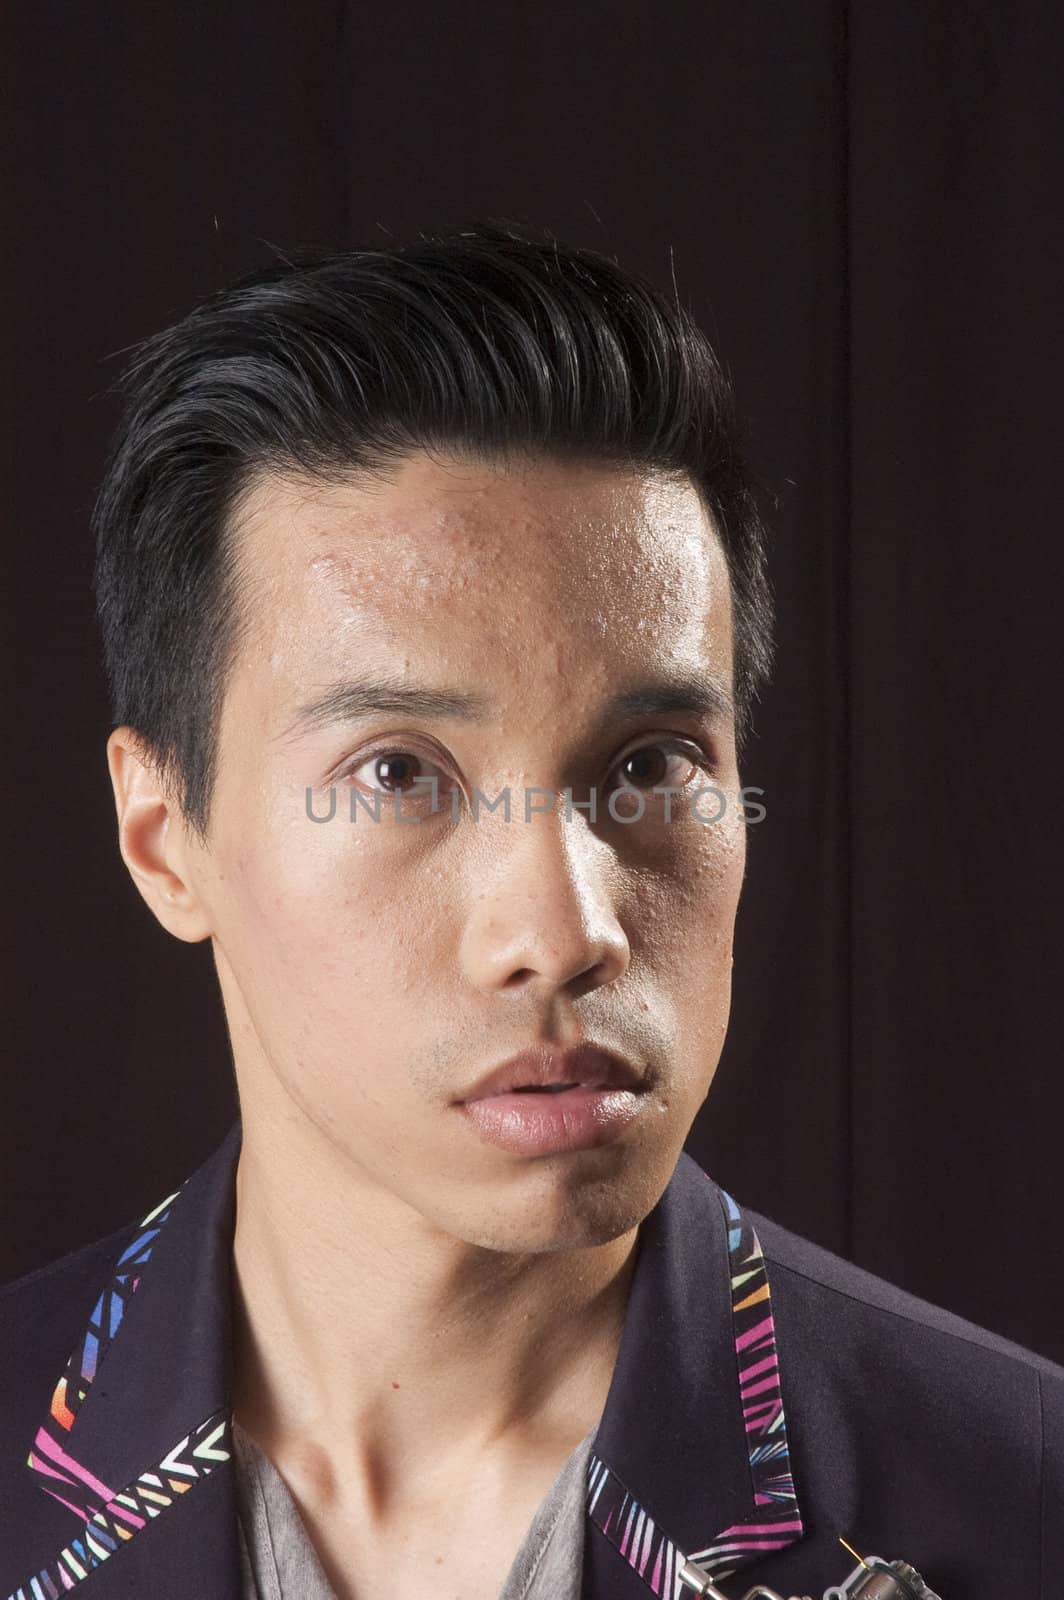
(362,1333)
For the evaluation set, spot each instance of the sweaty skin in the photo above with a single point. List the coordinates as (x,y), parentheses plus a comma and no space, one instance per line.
(427,1324)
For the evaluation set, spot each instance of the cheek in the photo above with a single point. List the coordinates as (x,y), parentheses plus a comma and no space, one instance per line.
(289,927)
(684,913)
(327,944)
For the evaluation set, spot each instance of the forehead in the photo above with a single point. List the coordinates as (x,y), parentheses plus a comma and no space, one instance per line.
(449,553)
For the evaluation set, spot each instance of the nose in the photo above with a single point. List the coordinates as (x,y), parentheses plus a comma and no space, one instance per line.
(543,913)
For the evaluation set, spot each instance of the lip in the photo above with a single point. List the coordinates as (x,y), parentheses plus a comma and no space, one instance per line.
(547,1124)
(588,1065)
(606,1097)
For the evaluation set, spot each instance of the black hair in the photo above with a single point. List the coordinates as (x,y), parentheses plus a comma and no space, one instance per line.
(489,339)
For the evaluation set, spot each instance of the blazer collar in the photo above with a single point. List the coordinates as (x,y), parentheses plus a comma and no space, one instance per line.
(139,1418)
(690,1461)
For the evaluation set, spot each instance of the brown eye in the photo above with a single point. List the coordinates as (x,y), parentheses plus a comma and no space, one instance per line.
(659,766)
(400,773)
(645,768)
(395,773)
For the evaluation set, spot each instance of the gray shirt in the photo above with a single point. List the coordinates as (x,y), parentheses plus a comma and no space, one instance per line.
(278,1561)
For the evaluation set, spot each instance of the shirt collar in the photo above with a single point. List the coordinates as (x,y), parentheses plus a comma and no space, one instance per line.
(691,1456)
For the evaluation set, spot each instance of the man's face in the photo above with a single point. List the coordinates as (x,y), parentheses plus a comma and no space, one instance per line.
(374,970)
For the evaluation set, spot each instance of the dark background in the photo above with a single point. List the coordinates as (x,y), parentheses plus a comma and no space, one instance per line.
(862,204)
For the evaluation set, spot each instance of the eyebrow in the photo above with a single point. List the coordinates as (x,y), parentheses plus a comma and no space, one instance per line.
(702,693)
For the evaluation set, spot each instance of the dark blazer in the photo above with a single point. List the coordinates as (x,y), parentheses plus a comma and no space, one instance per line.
(767,1398)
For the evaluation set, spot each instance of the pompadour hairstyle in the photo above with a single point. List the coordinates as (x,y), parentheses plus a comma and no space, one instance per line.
(490,339)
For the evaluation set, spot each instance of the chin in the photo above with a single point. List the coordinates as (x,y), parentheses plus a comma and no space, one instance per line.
(561,1207)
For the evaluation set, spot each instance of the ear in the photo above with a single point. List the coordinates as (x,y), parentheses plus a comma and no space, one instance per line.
(153,839)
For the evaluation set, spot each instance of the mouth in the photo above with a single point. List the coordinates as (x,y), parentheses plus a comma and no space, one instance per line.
(545,1088)
(545,1102)
(543,1070)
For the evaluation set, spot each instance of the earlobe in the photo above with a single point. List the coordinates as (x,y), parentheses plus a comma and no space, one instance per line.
(152,838)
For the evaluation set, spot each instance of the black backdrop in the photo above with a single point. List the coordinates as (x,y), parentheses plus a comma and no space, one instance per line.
(862,204)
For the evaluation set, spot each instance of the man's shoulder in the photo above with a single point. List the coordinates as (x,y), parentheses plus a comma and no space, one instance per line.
(877,1380)
(42,1315)
(817,1290)
(57,1279)
(63,1291)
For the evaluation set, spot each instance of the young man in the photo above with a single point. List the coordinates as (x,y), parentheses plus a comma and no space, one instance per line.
(433,602)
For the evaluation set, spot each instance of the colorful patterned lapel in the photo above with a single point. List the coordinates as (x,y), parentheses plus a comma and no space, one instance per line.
(691,1457)
(112,1517)
(138,1419)
(773,1520)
